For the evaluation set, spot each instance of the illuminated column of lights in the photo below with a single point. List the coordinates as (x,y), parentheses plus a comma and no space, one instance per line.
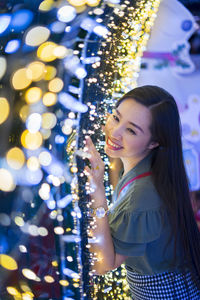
(129,39)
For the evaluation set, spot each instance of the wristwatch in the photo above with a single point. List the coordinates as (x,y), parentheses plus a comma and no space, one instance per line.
(99,212)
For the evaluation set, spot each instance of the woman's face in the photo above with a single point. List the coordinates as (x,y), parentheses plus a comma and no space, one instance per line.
(127,132)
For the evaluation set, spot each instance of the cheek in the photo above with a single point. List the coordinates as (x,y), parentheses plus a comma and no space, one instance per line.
(108,126)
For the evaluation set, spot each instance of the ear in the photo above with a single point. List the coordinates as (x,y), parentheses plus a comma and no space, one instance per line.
(153,145)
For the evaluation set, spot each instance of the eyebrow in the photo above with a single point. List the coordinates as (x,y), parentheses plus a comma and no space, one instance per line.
(135,125)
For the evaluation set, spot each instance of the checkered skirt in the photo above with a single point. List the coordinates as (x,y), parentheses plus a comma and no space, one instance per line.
(164,286)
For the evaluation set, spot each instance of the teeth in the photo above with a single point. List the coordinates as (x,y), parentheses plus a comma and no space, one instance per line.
(112,144)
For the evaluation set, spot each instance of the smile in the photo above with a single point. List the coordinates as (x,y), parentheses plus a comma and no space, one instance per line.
(112,145)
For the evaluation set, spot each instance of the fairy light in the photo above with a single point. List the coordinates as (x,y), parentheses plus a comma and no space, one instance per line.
(128,39)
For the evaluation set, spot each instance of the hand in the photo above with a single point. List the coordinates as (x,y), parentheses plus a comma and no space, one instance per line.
(96,172)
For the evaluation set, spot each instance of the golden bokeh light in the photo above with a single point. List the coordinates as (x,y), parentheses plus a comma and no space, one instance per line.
(54,263)
(33,163)
(48,120)
(36,70)
(49,279)
(56,85)
(49,73)
(7,183)
(21,79)
(25,287)
(49,99)
(27,296)
(15,158)
(64,282)
(4,109)
(46,51)
(37,35)
(77,3)
(92,2)
(33,95)
(46,5)
(31,141)
(19,221)
(8,262)
(24,112)
(13,291)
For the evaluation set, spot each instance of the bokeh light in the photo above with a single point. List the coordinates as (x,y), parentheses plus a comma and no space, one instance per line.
(33,163)
(7,183)
(49,99)
(21,79)
(8,262)
(24,112)
(48,120)
(3,66)
(4,22)
(12,46)
(49,73)
(33,122)
(66,13)
(36,70)
(45,158)
(21,19)
(46,5)
(46,51)
(15,158)
(29,274)
(33,95)
(56,85)
(61,51)
(77,3)
(4,109)
(37,36)
(49,279)
(30,140)
(14,292)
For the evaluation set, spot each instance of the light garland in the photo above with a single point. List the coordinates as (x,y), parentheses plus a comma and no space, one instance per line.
(128,41)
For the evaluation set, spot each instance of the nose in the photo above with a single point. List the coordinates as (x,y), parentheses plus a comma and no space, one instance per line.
(116,132)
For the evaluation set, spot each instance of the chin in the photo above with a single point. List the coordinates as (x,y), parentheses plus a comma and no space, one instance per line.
(110,153)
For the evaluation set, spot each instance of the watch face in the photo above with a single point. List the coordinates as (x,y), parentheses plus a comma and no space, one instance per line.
(100,212)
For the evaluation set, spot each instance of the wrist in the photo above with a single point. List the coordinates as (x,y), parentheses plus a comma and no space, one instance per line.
(99,211)
(99,192)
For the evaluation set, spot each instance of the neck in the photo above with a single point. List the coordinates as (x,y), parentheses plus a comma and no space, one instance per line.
(131,162)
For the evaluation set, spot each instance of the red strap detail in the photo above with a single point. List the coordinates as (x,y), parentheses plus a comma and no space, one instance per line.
(133,179)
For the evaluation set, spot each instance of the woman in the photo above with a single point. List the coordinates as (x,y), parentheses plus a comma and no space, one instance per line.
(151,225)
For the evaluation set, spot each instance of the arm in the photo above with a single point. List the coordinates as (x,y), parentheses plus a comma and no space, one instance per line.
(103,247)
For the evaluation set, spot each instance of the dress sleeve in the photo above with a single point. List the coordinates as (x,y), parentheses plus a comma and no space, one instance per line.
(131,231)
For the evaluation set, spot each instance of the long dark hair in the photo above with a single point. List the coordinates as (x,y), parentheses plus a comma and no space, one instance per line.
(168,169)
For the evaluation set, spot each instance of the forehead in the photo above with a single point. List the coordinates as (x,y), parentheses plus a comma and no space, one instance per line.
(133,111)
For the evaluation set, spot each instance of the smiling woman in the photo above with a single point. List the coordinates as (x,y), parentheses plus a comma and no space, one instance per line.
(150,225)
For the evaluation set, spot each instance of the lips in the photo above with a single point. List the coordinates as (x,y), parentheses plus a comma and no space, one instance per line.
(113,145)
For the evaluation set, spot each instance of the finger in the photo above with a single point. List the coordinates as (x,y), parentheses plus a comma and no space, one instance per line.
(89,143)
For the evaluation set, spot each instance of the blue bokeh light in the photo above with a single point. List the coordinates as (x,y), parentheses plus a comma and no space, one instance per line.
(4,23)
(12,46)
(21,19)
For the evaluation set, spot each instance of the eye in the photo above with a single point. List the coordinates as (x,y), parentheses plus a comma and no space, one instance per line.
(115,118)
(131,131)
